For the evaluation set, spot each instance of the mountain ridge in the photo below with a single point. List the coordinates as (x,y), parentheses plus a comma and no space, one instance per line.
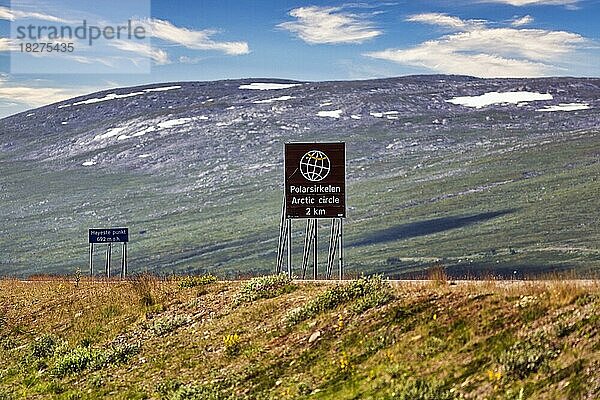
(201,163)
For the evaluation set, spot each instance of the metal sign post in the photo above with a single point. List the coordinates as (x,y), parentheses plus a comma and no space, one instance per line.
(315,188)
(124,260)
(91,259)
(107,265)
(109,236)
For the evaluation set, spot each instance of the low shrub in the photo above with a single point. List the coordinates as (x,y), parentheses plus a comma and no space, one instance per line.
(371,291)
(120,353)
(432,346)
(86,358)
(7,343)
(420,389)
(527,356)
(168,324)
(168,387)
(174,390)
(374,299)
(77,360)
(43,347)
(77,276)
(263,287)
(144,286)
(96,381)
(194,281)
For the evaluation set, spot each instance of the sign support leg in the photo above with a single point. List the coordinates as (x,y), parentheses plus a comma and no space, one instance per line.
(332,247)
(307,245)
(91,259)
(282,246)
(108,254)
(125,267)
(341,243)
(289,246)
(122,273)
(315,248)
(282,238)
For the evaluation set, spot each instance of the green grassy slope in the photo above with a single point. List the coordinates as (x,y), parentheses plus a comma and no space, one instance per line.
(529,208)
(520,206)
(193,339)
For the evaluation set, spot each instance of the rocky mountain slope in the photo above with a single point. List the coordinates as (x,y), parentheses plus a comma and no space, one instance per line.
(488,176)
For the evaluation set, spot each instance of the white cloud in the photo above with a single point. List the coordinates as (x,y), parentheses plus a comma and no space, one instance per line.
(13,15)
(491,52)
(108,61)
(35,96)
(329,25)
(444,20)
(525,20)
(520,3)
(157,55)
(190,60)
(192,39)
(5,44)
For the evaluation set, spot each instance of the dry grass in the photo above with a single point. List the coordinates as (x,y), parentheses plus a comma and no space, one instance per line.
(437,274)
(145,288)
(448,336)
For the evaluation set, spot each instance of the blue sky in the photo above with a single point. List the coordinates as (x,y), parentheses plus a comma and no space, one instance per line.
(303,40)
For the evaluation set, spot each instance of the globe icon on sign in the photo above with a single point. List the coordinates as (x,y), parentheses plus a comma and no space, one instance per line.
(315,166)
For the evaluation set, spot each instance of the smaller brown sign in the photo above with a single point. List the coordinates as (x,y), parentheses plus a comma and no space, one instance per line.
(315,180)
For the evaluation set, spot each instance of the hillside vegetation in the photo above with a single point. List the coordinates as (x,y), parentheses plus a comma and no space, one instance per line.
(198,338)
(196,173)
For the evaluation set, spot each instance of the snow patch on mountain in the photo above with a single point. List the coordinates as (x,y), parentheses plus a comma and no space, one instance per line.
(138,134)
(124,132)
(162,89)
(330,114)
(566,107)
(174,122)
(267,101)
(113,96)
(268,86)
(491,98)
(110,133)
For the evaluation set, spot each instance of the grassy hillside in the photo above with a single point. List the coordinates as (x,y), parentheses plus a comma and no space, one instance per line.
(526,205)
(489,190)
(195,338)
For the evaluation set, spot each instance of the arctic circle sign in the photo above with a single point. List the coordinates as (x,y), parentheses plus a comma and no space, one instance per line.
(315,180)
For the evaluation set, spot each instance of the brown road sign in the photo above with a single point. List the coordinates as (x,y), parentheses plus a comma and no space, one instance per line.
(315,180)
